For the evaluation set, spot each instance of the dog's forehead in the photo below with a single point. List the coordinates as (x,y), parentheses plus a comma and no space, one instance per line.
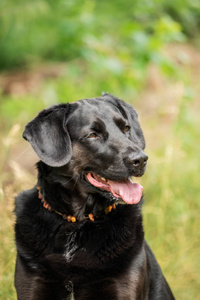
(90,109)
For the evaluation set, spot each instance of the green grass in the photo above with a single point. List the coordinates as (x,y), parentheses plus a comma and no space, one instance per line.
(171,216)
(171,182)
(7,249)
(171,209)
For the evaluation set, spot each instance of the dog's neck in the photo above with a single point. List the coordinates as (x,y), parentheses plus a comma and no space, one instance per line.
(57,197)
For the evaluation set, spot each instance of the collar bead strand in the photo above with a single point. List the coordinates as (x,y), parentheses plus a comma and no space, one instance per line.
(69,218)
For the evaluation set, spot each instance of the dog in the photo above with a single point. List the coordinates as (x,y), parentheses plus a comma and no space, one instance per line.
(79,232)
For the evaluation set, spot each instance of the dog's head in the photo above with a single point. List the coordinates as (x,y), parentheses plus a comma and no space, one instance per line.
(98,141)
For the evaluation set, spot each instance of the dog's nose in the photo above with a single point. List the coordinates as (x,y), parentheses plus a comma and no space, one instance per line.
(139,161)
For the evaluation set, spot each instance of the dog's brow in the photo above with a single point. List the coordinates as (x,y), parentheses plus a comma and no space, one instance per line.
(98,125)
(120,122)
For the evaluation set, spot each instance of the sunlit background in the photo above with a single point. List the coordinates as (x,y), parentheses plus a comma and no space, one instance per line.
(143,51)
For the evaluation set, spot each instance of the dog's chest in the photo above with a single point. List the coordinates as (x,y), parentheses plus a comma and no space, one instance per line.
(70,247)
(91,242)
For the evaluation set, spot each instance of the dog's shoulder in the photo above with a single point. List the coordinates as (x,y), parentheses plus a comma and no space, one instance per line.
(25,202)
(34,227)
(159,286)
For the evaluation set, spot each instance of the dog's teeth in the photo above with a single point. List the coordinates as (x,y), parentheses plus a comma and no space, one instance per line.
(130,179)
(102,178)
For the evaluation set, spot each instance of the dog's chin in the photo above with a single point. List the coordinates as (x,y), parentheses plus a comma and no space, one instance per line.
(112,199)
(137,173)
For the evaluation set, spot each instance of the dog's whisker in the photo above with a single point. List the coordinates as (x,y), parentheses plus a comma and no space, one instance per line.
(75,182)
(70,179)
(19,157)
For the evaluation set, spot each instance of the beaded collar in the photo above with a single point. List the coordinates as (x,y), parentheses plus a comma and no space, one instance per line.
(67,217)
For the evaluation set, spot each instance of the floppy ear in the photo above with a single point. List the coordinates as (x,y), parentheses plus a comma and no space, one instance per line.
(49,137)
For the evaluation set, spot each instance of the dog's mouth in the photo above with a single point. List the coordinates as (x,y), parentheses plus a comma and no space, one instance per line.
(125,190)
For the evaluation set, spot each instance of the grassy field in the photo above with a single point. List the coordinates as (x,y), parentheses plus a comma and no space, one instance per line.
(169,114)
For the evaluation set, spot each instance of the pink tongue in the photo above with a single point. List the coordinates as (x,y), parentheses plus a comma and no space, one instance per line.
(130,192)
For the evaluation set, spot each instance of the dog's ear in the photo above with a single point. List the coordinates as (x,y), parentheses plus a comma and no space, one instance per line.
(49,137)
(129,113)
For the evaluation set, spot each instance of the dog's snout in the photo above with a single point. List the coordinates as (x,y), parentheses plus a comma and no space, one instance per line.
(139,160)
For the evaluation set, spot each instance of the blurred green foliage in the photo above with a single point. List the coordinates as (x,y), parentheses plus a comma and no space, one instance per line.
(114,35)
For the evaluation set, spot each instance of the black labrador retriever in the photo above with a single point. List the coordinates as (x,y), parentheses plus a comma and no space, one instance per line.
(79,231)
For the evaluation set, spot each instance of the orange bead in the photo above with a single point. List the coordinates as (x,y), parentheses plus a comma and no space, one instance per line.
(91,217)
(46,205)
(39,195)
(108,209)
(73,219)
(69,218)
(114,206)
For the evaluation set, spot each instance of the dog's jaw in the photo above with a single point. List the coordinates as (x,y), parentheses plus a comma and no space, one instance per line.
(125,190)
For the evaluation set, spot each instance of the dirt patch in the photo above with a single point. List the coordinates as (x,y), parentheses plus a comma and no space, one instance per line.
(20,82)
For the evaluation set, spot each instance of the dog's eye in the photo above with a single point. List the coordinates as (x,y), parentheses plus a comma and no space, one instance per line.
(92,135)
(127,128)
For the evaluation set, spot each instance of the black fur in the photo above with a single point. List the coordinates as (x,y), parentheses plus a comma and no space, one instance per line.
(101,260)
